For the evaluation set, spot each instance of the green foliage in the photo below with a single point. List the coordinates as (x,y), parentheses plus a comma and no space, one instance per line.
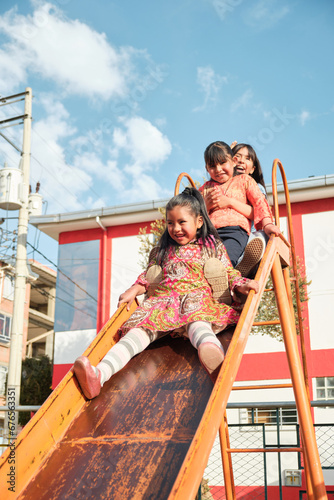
(149,240)
(268,310)
(36,382)
(205,491)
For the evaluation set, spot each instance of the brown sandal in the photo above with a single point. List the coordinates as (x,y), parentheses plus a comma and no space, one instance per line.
(216,274)
(253,254)
(153,276)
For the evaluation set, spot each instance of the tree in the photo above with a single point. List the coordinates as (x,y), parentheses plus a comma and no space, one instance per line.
(267,310)
(36,382)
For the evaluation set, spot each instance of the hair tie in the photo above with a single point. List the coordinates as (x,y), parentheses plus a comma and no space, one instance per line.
(188,191)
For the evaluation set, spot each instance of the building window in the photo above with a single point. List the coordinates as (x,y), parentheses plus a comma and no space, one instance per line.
(3,376)
(77,286)
(269,416)
(5,322)
(325,387)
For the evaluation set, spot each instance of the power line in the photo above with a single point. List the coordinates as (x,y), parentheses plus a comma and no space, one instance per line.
(58,155)
(55,265)
(57,180)
(48,193)
(63,185)
(60,271)
(49,296)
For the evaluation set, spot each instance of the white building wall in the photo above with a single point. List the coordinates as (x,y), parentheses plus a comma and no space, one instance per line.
(125,266)
(71,344)
(318,229)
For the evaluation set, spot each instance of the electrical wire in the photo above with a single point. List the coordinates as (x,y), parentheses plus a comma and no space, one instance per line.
(60,271)
(46,191)
(49,296)
(59,156)
(50,261)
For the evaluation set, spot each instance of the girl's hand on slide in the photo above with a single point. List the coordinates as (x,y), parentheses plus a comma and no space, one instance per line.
(245,288)
(271,229)
(127,297)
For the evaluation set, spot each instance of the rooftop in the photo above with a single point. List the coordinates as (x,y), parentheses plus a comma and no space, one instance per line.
(312,188)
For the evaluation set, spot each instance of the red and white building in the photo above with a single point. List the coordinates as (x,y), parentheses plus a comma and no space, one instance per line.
(98,259)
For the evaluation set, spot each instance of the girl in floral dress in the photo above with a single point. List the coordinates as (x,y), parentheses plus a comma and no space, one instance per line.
(180,295)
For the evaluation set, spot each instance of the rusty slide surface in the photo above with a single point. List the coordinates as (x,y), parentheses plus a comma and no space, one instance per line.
(147,435)
(129,442)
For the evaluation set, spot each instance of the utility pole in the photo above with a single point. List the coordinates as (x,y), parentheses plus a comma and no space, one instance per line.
(21,274)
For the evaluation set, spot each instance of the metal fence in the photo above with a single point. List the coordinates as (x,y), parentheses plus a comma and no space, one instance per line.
(267,475)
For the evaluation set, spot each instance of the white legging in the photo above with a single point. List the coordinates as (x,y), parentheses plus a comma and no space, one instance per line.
(137,339)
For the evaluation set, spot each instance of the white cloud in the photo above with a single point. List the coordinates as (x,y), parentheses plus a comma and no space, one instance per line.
(265,14)
(66,51)
(242,101)
(145,187)
(102,166)
(304,117)
(12,70)
(63,183)
(209,84)
(71,169)
(109,173)
(143,142)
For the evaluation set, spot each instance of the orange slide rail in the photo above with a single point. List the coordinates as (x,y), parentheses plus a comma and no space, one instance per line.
(192,470)
(48,425)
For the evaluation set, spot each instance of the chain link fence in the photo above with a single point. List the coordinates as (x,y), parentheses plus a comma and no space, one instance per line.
(267,475)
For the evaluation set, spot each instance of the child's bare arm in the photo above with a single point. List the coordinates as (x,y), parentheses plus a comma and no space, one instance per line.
(130,294)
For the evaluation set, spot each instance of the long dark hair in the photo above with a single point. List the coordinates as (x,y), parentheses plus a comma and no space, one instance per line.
(207,233)
(217,152)
(257,174)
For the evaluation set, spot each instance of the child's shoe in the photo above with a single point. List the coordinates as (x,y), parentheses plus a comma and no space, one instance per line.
(216,274)
(253,254)
(89,382)
(153,276)
(211,357)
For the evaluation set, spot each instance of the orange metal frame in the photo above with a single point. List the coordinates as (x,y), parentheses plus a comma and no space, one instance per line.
(277,252)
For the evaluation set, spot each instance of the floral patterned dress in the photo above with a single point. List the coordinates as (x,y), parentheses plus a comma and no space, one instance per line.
(184,295)
(243,188)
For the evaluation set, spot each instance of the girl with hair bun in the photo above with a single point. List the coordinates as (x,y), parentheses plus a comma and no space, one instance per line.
(183,294)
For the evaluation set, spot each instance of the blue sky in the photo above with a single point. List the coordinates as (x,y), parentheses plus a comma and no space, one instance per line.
(128,94)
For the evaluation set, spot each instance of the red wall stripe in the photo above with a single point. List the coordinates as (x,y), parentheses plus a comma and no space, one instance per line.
(59,372)
(271,365)
(79,236)
(309,207)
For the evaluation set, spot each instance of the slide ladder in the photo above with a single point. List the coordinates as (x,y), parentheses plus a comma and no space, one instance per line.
(149,434)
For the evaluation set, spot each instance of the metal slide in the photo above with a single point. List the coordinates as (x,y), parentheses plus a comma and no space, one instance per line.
(148,435)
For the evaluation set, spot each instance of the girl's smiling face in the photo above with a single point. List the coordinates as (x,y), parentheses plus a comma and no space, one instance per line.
(182,224)
(243,162)
(221,172)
